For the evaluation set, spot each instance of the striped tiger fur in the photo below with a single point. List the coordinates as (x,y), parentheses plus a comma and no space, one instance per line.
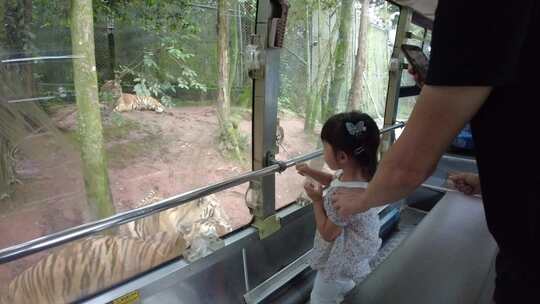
(130,102)
(84,267)
(196,218)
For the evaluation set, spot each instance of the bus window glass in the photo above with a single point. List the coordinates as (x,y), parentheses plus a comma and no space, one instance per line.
(404,110)
(107,259)
(406,104)
(317,71)
(79,143)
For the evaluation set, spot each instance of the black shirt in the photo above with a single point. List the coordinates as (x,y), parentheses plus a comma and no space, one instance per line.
(497,43)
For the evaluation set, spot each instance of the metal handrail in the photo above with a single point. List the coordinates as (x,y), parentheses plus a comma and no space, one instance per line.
(56,239)
(40,58)
(45,98)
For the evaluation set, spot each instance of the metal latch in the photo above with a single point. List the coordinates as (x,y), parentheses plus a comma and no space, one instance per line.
(254,58)
(278,23)
(271,160)
(268,226)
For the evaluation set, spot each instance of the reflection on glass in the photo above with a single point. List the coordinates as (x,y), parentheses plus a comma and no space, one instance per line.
(176,61)
(405,108)
(418,34)
(380,42)
(317,74)
(79,143)
(407,79)
(41,182)
(406,104)
(427,44)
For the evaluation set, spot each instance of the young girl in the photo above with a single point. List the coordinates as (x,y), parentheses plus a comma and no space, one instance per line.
(343,246)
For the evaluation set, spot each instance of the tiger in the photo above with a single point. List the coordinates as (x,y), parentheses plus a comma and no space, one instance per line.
(201,217)
(280,136)
(129,102)
(85,267)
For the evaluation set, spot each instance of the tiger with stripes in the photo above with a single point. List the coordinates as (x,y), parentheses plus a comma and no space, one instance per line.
(130,102)
(85,267)
(201,217)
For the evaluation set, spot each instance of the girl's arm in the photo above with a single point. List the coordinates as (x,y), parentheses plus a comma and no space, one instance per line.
(321,177)
(438,116)
(327,229)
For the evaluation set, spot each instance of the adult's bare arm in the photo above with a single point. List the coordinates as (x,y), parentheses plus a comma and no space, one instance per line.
(439,114)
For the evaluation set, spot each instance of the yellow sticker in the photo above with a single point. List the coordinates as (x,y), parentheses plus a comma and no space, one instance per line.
(130,298)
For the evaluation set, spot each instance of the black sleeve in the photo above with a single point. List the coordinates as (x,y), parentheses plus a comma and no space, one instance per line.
(478,42)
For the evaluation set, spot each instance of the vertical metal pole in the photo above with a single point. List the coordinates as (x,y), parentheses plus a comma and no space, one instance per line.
(246,272)
(265,98)
(112,49)
(394,79)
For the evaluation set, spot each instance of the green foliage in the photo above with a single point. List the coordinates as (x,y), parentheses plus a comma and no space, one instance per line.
(53,14)
(160,17)
(231,142)
(325,4)
(164,66)
(17,31)
(244,99)
(117,119)
(107,98)
(288,95)
(151,79)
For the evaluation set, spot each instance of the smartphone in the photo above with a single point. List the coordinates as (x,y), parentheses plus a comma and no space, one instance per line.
(417,59)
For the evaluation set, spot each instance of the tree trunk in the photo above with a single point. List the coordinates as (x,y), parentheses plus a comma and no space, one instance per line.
(7,174)
(28,75)
(323,74)
(229,134)
(234,53)
(223,98)
(308,125)
(356,92)
(325,85)
(239,9)
(337,85)
(93,156)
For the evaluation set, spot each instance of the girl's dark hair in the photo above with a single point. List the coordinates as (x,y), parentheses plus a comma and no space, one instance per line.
(361,146)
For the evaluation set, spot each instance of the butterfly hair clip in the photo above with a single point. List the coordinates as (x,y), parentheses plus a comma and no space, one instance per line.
(355,129)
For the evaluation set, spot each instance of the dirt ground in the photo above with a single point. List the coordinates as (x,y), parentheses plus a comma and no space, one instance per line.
(169,153)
